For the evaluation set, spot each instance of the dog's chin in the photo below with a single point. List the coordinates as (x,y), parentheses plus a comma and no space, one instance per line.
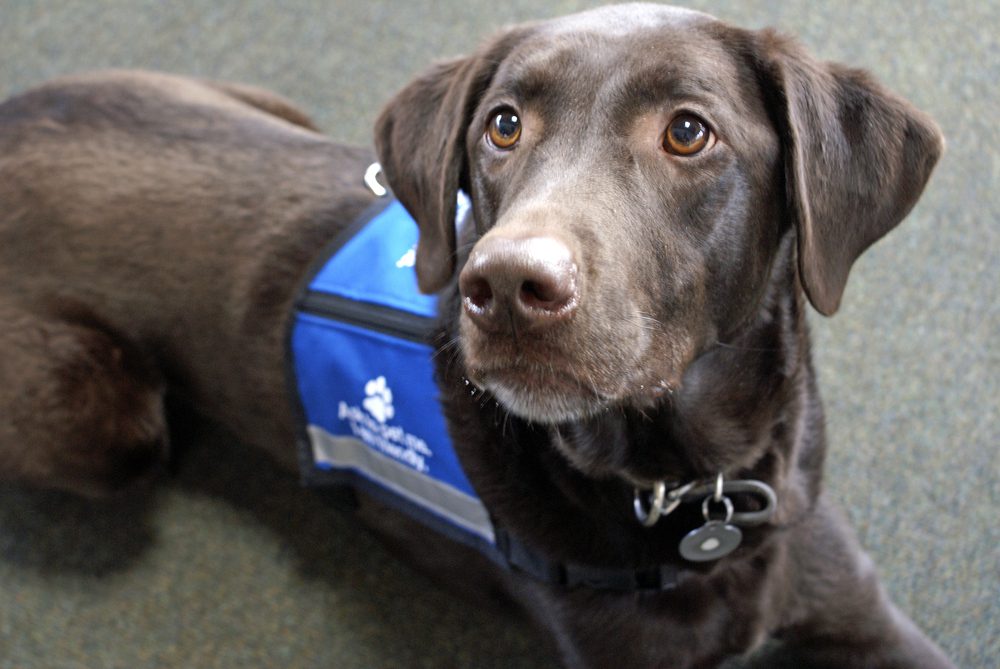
(543,405)
(561,400)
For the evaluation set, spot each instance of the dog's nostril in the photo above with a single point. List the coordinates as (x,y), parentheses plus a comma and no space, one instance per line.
(532,291)
(478,294)
(549,294)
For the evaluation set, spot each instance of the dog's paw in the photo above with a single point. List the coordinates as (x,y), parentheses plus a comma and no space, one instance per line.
(379,400)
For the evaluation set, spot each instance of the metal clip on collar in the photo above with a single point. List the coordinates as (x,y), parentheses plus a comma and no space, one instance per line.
(663,502)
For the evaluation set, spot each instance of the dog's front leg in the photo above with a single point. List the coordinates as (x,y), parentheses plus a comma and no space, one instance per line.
(81,409)
(695,626)
(841,616)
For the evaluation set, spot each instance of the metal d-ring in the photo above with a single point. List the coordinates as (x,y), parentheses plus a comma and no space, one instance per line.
(649,518)
(726,502)
(662,504)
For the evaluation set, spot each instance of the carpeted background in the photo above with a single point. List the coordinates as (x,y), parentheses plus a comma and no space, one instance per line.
(230,565)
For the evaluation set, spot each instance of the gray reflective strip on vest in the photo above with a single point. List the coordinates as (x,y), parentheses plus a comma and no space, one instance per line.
(454,505)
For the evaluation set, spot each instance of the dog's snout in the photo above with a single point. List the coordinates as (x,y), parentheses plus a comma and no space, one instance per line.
(531,280)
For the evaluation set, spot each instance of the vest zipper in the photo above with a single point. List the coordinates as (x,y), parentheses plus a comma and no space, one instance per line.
(369,316)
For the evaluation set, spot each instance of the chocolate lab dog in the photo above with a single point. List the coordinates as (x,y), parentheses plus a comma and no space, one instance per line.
(655,197)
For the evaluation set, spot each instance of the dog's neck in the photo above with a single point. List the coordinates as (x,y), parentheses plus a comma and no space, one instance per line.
(747,407)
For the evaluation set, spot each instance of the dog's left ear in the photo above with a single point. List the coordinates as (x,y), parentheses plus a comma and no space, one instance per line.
(856,157)
(420,141)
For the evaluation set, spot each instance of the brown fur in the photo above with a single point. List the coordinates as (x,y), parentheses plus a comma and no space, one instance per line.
(155,229)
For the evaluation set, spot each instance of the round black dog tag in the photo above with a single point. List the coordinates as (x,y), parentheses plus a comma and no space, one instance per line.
(711,541)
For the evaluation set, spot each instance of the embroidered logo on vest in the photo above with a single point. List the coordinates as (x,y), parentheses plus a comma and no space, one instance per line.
(370,423)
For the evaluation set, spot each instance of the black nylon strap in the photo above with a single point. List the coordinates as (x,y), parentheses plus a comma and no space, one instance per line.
(519,557)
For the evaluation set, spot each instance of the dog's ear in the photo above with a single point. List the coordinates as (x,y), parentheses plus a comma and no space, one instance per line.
(420,141)
(856,158)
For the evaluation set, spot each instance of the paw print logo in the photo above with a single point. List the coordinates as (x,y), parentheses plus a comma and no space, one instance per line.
(379,400)
(408,259)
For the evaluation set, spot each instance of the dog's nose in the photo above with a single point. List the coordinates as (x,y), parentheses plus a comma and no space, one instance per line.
(526,283)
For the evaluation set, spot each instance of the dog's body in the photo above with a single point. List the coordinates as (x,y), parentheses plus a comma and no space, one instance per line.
(222,205)
(628,304)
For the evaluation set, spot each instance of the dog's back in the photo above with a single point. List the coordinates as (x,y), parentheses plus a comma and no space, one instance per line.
(166,169)
(143,211)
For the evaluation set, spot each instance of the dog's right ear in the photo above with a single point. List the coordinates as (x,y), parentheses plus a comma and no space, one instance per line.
(420,141)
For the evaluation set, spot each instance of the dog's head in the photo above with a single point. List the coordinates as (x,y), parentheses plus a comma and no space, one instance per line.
(633,172)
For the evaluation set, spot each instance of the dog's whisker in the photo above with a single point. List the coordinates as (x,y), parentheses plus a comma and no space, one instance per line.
(647,322)
(451,347)
(751,349)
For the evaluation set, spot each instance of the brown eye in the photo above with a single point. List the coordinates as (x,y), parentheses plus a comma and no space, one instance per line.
(504,129)
(686,135)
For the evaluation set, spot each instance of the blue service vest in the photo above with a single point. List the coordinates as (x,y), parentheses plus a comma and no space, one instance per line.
(362,367)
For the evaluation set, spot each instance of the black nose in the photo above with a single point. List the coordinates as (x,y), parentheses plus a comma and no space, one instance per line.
(531,281)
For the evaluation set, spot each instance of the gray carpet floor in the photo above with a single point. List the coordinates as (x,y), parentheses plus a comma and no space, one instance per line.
(229,564)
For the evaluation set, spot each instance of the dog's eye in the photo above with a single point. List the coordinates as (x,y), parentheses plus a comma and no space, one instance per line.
(686,135)
(504,129)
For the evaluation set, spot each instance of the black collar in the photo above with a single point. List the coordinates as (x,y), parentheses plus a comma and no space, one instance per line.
(517,556)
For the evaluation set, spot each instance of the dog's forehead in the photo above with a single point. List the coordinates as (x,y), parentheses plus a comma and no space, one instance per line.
(624,20)
(624,51)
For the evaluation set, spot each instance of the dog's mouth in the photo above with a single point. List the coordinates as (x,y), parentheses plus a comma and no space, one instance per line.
(574,368)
